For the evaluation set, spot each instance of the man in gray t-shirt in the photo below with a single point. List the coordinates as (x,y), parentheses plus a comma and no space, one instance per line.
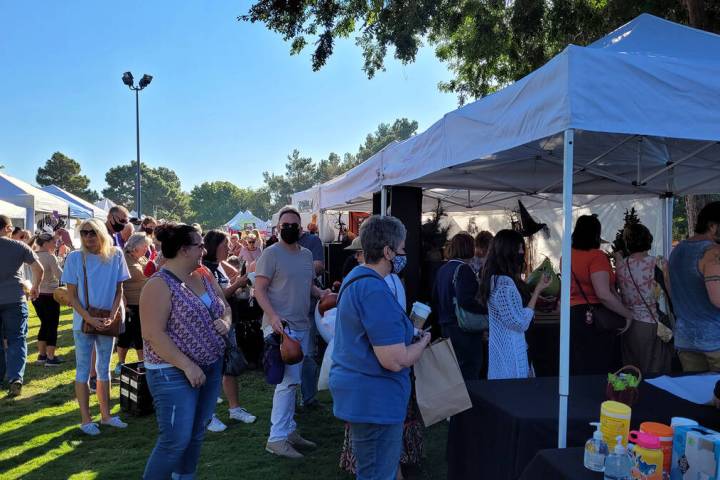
(283,287)
(13,307)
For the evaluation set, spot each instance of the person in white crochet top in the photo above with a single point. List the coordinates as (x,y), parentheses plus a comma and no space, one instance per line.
(503,291)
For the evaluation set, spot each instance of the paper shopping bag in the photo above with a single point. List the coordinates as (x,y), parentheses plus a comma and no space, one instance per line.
(439,385)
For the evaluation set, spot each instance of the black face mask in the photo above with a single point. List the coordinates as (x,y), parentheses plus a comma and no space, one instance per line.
(117,227)
(290,235)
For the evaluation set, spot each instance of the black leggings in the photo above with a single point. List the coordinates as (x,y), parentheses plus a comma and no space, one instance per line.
(48,310)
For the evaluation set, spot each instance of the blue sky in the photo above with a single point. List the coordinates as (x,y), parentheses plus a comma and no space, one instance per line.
(227,101)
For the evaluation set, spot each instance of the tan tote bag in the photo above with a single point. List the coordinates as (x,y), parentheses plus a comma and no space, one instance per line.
(439,385)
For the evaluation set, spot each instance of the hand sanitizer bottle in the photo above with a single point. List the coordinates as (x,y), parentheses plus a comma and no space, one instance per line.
(595,451)
(618,465)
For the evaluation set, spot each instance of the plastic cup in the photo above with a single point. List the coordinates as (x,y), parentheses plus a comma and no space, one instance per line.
(419,314)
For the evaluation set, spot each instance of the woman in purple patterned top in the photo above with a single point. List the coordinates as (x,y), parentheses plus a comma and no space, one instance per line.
(184,317)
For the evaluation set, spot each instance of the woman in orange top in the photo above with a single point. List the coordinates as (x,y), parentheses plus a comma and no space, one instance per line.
(592,351)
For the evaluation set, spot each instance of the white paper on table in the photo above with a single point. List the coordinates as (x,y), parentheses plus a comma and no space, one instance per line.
(693,388)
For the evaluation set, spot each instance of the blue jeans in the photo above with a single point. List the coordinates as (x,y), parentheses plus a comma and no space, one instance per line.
(13,327)
(309,378)
(183,413)
(84,344)
(377,450)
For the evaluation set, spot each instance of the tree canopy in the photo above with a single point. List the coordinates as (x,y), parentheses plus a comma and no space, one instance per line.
(162,195)
(302,173)
(485,43)
(214,203)
(64,172)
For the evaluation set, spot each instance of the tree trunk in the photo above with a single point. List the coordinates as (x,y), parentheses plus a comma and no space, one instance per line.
(697,13)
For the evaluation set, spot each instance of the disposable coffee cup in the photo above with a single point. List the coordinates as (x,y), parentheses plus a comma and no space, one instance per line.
(419,314)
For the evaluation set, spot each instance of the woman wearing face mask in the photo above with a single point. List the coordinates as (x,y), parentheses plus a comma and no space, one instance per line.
(503,291)
(374,350)
(456,282)
(217,248)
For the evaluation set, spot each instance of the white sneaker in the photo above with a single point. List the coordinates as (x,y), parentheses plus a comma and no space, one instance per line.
(216,425)
(219,400)
(241,415)
(91,429)
(115,422)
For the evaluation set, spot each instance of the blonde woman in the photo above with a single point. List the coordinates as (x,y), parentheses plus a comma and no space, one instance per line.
(106,270)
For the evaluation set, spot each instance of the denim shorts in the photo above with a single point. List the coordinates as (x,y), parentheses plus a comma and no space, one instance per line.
(83,355)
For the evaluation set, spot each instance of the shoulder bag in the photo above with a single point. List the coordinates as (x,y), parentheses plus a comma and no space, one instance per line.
(117,325)
(663,331)
(605,320)
(468,321)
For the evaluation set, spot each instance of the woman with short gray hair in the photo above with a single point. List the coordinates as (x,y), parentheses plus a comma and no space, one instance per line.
(135,249)
(373,353)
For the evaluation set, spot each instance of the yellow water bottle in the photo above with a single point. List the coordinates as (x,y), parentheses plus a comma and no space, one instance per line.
(647,456)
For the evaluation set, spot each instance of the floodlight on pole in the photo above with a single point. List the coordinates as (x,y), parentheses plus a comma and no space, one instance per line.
(129,81)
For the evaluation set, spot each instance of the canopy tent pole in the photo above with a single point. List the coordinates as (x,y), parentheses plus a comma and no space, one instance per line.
(564,380)
(383,201)
(667,220)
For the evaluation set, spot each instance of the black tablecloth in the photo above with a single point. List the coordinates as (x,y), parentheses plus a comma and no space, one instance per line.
(557,464)
(511,420)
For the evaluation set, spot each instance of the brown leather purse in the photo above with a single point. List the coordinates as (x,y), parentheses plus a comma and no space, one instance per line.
(116,327)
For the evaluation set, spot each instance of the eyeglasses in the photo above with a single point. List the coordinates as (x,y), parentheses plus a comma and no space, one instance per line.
(88,233)
(290,225)
(201,245)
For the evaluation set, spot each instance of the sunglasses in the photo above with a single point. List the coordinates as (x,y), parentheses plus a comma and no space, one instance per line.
(121,220)
(88,233)
(251,242)
(289,225)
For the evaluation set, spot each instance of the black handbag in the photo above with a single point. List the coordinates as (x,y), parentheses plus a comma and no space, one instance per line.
(604,319)
(234,362)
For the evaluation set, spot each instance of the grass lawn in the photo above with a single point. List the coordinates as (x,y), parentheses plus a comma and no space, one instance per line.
(39,438)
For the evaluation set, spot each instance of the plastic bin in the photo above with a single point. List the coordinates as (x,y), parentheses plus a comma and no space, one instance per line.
(135,397)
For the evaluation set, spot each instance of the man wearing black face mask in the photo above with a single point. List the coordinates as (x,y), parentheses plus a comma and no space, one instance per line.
(117,219)
(283,288)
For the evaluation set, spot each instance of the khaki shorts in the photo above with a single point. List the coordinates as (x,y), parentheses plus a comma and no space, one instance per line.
(700,361)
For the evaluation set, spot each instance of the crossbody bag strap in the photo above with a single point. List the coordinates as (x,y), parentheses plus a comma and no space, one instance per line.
(87,302)
(582,292)
(359,277)
(627,264)
(455,275)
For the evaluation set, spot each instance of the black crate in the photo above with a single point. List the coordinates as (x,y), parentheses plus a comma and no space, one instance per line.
(135,397)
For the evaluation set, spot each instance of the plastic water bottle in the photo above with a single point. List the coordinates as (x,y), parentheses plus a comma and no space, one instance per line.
(618,464)
(596,450)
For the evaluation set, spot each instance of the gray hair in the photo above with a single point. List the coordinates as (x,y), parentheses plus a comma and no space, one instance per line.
(378,232)
(135,241)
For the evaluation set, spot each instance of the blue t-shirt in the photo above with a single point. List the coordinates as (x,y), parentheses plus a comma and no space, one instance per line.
(314,244)
(368,315)
(103,278)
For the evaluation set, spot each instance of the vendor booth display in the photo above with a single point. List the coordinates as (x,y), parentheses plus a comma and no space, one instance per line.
(613,118)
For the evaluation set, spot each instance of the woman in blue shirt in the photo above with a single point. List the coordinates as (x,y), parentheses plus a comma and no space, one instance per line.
(374,350)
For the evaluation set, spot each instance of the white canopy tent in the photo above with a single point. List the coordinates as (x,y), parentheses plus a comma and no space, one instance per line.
(78,207)
(34,200)
(635,113)
(12,211)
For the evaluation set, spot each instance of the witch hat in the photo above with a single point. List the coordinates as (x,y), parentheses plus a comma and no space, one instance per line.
(528,226)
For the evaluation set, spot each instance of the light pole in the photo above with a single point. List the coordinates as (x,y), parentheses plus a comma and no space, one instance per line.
(128,80)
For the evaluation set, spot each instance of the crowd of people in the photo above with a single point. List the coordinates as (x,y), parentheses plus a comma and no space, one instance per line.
(181,298)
